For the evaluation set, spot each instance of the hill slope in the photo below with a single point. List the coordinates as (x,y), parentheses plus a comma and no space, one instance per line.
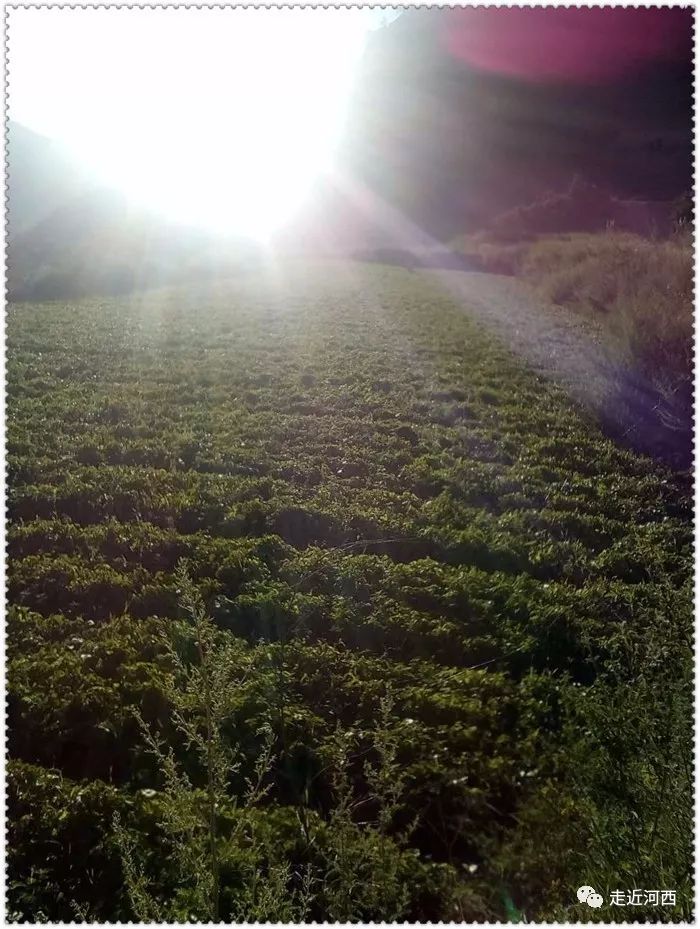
(460,114)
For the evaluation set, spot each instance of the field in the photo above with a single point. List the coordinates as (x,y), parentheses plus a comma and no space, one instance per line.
(414,547)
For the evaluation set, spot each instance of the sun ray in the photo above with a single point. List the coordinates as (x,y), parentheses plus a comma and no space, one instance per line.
(228,130)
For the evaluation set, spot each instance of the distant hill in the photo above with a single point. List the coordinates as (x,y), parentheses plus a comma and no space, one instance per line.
(437,144)
(42,178)
(70,236)
(451,139)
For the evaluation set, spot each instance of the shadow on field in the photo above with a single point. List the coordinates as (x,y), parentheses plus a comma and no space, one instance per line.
(637,415)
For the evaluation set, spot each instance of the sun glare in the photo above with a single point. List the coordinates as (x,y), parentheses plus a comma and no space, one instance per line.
(218,117)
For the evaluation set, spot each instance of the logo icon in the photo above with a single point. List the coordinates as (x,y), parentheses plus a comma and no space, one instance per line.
(588,895)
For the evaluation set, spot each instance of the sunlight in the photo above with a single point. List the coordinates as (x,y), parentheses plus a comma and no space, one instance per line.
(218,117)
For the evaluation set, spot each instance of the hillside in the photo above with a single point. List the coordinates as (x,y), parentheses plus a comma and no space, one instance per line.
(452,135)
(71,236)
(42,178)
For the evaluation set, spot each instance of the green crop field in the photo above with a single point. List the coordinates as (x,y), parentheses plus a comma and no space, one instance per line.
(396,526)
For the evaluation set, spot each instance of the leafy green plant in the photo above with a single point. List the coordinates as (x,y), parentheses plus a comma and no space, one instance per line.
(403,507)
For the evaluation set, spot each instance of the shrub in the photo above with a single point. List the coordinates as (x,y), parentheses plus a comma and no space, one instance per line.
(56,284)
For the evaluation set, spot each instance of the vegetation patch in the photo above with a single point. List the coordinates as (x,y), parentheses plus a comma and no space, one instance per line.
(449,620)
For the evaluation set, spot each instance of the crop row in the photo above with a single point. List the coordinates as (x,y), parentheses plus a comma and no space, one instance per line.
(371,494)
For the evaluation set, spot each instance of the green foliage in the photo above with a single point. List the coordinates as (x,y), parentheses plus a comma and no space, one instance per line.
(371,497)
(202,696)
(216,847)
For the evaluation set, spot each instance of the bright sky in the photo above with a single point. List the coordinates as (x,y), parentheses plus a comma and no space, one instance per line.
(221,117)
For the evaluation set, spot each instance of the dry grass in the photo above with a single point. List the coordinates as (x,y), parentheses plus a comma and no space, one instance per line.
(640,290)
(490,256)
